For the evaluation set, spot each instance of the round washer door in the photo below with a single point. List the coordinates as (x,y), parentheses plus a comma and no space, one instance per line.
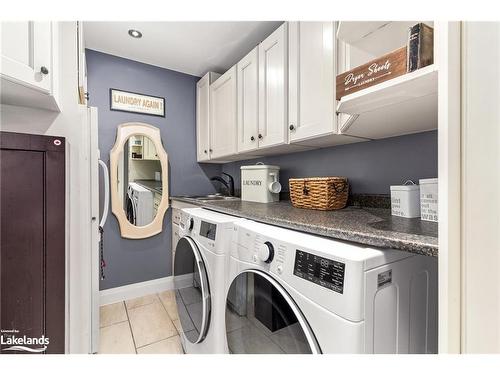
(262,318)
(192,293)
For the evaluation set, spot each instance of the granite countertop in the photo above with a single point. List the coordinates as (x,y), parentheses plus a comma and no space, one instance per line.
(370,226)
(153,185)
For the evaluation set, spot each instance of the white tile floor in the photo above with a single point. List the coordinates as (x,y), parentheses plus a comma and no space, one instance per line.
(144,325)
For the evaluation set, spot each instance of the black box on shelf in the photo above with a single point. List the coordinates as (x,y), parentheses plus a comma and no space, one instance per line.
(420,46)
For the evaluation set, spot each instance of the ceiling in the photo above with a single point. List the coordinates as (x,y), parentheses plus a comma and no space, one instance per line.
(189,47)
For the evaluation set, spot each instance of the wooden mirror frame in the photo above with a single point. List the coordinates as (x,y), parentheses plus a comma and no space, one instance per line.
(124,132)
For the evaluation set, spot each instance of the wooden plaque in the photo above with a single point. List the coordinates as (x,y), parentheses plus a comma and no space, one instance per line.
(373,72)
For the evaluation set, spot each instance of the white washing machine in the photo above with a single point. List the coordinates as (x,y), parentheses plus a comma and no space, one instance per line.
(140,208)
(291,292)
(200,273)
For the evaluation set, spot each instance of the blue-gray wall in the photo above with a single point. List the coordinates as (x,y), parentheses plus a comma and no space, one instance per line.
(132,261)
(371,167)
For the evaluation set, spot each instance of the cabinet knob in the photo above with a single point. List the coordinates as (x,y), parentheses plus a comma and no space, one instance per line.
(260,136)
(252,138)
(211,150)
(205,151)
(44,70)
(292,127)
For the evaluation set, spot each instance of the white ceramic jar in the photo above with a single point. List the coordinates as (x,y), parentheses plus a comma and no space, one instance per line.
(405,200)
(260,183)
(429,199)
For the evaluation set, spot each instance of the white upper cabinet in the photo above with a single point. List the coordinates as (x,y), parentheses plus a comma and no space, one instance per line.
(248,101)
(203,115)
(223,119)
(149,150)
(273,89)
(311,101)
(29,64)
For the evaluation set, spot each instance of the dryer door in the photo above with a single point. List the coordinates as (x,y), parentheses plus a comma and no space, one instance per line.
(192,293)
(262,318)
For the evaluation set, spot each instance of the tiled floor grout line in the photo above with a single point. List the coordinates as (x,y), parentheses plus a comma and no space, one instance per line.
(130,327)
(172,320)
(135,307)
(156,342)
(113,324)
(164,308)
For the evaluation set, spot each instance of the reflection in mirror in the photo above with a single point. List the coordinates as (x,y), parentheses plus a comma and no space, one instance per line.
(139,180)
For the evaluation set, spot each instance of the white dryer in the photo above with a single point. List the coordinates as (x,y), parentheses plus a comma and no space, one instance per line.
(140,206)
(200,272)
(291,292)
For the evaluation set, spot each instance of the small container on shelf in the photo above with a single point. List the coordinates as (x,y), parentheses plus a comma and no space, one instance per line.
(429,199)
(405,200)
(420,46)
(260,183)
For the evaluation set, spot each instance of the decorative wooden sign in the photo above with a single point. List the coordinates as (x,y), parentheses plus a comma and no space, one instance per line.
(126,101)
(373,72)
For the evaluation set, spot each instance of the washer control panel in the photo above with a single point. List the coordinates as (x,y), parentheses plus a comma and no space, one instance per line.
(208,230)
(322,271)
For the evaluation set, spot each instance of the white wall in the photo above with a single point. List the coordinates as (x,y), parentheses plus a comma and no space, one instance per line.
(481,187)
(71,124)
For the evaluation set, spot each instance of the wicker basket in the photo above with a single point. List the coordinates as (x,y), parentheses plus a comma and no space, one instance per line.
(319,193)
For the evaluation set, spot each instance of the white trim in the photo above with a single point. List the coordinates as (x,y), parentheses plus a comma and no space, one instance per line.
(447,47)
(126,292)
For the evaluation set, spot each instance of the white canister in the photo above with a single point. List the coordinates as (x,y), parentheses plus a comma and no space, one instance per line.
(429,199)
(260,183)
(405,200)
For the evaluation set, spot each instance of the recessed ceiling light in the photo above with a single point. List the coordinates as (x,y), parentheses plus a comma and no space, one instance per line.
(135,33)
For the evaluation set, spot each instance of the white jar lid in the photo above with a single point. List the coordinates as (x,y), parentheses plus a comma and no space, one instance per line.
(260,166)
(405,187)
(428,181)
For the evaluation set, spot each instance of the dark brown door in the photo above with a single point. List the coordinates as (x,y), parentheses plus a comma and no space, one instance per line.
(32,243)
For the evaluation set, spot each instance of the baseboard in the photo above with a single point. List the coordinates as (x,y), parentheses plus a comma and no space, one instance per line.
(144,288)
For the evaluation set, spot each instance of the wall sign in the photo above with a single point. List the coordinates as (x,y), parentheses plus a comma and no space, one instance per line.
(379,70)
(126,101)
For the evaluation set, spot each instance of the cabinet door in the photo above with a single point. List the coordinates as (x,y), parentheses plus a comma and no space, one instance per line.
(145,148)
(82,66)
(27,53)
(273,77)
(248,101)
(223,121)
(149,149)
(202,118)
(311,80)
(32,238)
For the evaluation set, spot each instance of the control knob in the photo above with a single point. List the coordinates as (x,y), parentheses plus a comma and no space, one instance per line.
(266,252)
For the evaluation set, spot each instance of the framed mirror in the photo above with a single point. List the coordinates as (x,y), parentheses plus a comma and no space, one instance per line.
(139,180)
